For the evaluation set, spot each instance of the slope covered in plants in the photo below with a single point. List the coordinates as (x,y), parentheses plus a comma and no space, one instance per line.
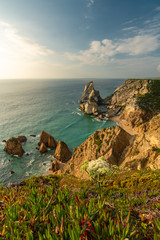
(64,207)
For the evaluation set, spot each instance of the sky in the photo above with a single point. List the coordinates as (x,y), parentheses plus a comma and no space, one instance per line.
(79,39)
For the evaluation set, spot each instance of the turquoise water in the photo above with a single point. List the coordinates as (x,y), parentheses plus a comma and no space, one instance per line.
(30,106)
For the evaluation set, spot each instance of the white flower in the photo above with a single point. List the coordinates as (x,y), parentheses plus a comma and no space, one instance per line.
(98,167)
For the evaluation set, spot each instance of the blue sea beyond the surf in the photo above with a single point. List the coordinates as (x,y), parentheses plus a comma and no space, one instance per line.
(30,106)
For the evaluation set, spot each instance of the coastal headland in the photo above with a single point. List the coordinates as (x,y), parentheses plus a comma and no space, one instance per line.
(132,145)
(67,203)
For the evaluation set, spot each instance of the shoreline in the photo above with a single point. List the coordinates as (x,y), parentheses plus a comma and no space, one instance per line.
(124,125)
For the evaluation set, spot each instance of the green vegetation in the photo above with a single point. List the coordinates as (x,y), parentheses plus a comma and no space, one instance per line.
(64,207)
(151,100)
(98,141)
(156,149)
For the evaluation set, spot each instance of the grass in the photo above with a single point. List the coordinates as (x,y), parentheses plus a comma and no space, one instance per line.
(64,207)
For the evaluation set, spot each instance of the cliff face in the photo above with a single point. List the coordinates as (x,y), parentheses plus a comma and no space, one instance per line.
(135,143)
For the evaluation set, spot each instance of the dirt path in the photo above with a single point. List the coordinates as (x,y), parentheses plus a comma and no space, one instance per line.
(124,124)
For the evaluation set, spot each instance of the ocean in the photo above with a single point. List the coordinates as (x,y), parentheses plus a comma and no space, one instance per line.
(29,106)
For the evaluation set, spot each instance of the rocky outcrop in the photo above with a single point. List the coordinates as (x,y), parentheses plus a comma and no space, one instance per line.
(124,101)
(62,152)
(47,140)
(90,100)
(91,94)
(13,146)
(127,92)
(145,151)
(55,166)
(90,108)
(111,143)
(22,139)
(43,148)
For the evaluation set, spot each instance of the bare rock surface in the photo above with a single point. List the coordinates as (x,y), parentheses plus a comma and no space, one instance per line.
(90,93)
(13,146)
(90,99)
(43,148)
(62,152)
(22,139)
(47,139)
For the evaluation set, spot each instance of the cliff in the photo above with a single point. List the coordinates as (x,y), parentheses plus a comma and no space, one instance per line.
(135,143)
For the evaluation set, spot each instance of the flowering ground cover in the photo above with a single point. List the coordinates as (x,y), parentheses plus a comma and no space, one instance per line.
(64,207)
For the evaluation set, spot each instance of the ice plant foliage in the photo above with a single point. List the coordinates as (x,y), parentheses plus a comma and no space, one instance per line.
(65,207)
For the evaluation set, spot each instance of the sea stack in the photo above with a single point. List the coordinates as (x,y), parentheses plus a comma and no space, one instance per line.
(90,100)
(62,152)
(46,140)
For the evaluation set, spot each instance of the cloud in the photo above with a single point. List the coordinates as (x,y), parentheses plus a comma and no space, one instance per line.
(157,8)
(128,28)
(102,52)
(139,45)
(90,3)
(20,44)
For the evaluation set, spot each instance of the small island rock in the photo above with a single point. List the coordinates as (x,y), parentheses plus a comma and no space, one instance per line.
(90,100)
(33,135)
(22,138)
(14,147)
(43,148)
(48,140)
(62,152)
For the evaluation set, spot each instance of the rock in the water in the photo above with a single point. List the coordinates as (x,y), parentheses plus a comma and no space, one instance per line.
(62,152)
(90,100)
(90,108)
(43,148)
(55,165)
(33,135)
(48,140)
(51,142)
(22,138)
(100,117)
(4,141)
(11,171)
(14,147)
(91,94)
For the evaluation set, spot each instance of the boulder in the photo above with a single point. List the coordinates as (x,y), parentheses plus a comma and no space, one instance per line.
(100,117)
(62,152)
(14,147)
(22,138)
(55,166)
(43,148)
(33,135)
(48,140)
